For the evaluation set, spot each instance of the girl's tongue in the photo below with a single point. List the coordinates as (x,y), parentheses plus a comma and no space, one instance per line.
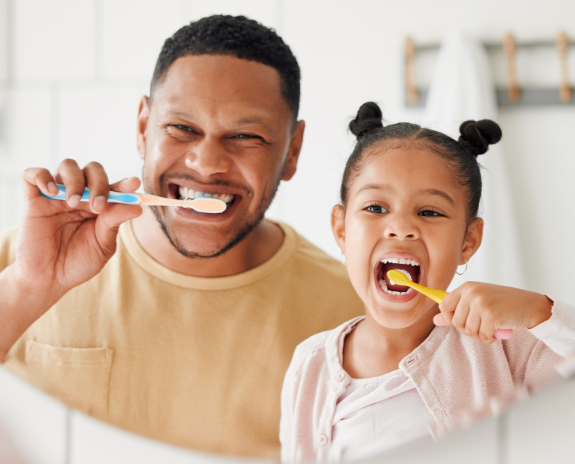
(411,270)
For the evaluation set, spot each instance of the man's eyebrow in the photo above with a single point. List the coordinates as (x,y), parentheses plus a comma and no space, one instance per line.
(180,113)
(242,122)
(255,120)
(439,193)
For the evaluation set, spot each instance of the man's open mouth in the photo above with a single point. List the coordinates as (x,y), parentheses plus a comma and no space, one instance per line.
(409,267)
(183,193)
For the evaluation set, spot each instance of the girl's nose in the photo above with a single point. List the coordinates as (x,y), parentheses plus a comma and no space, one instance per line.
(208,157)
(401,229)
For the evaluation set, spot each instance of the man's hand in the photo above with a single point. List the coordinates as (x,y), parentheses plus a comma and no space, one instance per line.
(478,310)
(60,244)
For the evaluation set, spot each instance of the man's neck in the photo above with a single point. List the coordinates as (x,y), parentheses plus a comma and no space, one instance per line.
(258,247)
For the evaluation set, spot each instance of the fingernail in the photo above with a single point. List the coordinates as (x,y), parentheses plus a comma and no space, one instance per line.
(100,203)
(52,188)
(74,201)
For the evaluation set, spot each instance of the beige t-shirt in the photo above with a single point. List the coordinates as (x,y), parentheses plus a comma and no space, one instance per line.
(196,362)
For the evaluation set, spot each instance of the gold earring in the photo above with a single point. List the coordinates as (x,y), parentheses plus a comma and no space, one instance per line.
(464,270)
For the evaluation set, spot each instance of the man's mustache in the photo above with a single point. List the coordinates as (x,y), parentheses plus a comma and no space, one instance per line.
(173,178)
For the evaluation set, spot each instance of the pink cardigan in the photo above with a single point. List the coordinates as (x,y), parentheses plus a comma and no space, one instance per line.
(457,378)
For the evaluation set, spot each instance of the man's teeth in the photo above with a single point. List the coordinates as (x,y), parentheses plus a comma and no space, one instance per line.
(189,194)
(411,262)
(383,286)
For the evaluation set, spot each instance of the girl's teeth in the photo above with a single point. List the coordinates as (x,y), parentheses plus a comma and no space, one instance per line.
(383,286)
(411,262)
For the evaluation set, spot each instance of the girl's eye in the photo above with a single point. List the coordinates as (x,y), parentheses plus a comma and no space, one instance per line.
(377,209)
(429,213)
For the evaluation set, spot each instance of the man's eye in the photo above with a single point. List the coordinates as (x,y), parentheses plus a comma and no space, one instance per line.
(429,213)
(181,127)
(377,209)
(246,136)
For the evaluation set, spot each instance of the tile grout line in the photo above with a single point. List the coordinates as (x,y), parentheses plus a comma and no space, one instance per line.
(54,124)
(502,439)
(68,444)
(98,40)
(10,42)
(279,17)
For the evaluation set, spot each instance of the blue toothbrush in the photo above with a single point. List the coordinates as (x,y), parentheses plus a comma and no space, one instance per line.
(200,204)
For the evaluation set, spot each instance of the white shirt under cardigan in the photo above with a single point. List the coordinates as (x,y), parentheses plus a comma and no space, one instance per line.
(377,414)
(380,413)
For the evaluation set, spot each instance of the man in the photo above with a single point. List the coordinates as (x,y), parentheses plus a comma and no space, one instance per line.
(178,325)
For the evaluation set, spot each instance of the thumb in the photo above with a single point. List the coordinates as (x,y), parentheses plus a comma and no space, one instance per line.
(108,224)
(447,308)
(439,320)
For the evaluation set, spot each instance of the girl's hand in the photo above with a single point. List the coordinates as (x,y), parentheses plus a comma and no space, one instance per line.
(478,310)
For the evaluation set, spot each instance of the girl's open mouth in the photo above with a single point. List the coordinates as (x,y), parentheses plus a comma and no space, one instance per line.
(394,292)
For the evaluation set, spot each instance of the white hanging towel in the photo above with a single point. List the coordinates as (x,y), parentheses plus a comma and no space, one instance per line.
(462,88)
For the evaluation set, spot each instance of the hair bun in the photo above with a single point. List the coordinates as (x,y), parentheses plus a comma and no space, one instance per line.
(478,135)
(369,117)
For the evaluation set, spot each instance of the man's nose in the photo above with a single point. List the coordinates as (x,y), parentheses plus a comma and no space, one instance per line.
(208,157)
(402,228)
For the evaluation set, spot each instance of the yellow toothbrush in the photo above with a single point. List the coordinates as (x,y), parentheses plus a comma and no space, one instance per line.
(399,278)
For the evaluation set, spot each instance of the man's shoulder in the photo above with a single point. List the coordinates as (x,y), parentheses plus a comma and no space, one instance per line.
(320,286)
(313,257)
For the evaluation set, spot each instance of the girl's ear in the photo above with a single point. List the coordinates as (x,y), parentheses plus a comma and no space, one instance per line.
(338,226)
(472,240)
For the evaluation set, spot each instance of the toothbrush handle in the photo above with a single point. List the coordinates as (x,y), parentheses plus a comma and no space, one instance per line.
(113,197)
(503,334)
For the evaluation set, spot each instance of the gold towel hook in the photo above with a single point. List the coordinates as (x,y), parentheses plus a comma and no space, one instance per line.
(410,86)
(563,47)
(513,93)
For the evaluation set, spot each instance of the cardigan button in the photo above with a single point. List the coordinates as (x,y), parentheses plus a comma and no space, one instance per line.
(411,360)
(322,440)
(339,376)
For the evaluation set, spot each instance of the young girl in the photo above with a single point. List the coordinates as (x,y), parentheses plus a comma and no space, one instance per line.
(409,201)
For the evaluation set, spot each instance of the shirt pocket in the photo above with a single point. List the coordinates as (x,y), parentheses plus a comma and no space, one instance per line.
(78,377)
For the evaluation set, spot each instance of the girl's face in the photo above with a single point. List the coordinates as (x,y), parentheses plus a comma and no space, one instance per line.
(404,211)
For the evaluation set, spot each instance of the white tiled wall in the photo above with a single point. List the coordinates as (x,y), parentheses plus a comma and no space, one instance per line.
(71,76)
(87,129)
(54,39)
(133,33)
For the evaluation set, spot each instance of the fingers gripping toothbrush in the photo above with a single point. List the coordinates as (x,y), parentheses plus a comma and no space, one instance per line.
(201,204)
(400,278)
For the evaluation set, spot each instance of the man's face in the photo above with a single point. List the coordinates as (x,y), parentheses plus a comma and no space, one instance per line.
(217,125)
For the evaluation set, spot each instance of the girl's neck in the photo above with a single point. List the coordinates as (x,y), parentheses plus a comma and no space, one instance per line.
(371,349)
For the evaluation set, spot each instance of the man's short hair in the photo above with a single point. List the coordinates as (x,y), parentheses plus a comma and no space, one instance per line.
(237,36)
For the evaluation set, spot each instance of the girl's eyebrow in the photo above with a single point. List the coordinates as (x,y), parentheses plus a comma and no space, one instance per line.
(439,193)
(383,187)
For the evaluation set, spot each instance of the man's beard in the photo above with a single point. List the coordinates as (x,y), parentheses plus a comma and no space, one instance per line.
(250,224)
(245,230)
